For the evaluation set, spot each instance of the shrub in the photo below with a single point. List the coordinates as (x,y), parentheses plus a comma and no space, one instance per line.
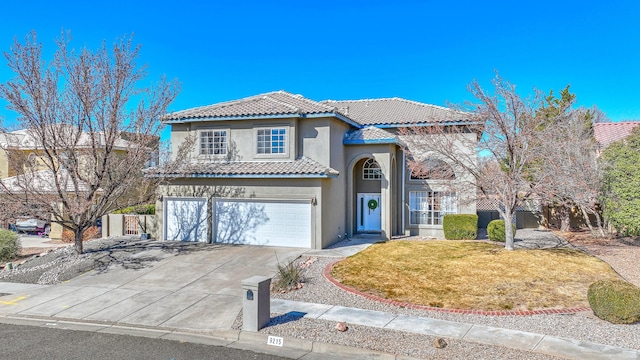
(9,245)
(149,209)
(289,277)
(91,233)
(495,230)
(460,226)
(615,301)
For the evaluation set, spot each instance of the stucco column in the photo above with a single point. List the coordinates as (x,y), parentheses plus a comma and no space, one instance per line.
(386,190)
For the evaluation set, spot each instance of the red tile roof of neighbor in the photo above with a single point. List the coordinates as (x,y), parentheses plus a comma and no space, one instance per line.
(609,132)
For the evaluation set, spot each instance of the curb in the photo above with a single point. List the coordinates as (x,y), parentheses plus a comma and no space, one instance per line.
(327,275)
(242,340)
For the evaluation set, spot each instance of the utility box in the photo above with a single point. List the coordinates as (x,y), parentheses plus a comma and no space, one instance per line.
(256,303)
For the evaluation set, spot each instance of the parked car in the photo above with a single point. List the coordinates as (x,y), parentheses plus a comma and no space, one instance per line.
(31,226)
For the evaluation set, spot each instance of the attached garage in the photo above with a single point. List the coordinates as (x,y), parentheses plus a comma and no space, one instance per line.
(185,219)
(262,222)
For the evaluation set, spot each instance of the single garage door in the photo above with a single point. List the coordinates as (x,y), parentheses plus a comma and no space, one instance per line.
(185,219)
(271,223)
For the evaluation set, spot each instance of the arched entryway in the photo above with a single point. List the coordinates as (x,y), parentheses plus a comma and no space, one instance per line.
(368,176)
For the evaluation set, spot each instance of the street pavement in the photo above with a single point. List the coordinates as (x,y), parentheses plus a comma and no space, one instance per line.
(174,298)
(20,342)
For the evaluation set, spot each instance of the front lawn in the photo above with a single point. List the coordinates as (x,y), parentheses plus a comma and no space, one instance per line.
(473,275)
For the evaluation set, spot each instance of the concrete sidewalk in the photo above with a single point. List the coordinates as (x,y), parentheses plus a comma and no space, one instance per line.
(539,343)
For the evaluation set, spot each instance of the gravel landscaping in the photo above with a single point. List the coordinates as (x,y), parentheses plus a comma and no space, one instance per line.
(56,266)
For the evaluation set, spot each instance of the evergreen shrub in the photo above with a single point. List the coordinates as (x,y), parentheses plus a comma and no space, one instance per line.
(460,226)
(495,230)
(615,301)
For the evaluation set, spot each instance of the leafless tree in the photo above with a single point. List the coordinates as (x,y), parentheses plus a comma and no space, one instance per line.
(90,129)
(568,153)
(505,127)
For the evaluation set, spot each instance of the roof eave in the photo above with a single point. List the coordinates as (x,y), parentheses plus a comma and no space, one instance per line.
(448,123)
(263,116)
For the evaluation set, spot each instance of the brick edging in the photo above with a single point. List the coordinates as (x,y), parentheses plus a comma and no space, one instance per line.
(327,275)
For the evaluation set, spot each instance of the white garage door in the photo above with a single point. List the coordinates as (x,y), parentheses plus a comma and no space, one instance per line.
(185,219)
(270,223)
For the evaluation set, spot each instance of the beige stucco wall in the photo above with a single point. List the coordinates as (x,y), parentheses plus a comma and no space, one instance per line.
(242,137)
(463,186)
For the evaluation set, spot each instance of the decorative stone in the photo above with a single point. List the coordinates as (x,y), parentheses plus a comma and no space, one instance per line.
(342,326)
(439,343)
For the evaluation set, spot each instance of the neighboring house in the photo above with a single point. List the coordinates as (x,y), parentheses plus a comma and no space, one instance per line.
(607,133)
(24,167)
(281,170)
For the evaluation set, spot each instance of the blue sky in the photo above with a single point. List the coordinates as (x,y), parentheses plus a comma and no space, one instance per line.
(426,51)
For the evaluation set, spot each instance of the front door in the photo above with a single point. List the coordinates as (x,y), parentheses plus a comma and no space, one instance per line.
(369,214)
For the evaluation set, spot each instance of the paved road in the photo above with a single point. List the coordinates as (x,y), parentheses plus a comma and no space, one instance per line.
(35,343)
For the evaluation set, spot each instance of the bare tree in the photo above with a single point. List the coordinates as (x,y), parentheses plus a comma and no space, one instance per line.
(90,128)
(567,151)
(503,165)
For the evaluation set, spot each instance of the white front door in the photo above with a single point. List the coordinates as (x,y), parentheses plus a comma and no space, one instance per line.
(369,214)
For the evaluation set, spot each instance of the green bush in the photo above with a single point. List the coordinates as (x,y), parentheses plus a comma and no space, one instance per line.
(615,301)
(495,230)
(9,244)
(460,226)
(149,209)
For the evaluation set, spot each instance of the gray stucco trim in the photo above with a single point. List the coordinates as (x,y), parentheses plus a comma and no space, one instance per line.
(372,142)
(247,176)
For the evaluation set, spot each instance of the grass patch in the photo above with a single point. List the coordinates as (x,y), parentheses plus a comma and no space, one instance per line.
(473,275)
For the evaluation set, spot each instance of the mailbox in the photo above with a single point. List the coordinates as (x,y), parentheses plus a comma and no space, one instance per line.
(256,303)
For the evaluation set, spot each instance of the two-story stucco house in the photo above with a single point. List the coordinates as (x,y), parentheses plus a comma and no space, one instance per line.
(282,170)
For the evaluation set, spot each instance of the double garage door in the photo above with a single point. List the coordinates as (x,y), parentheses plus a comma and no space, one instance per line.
(252,222)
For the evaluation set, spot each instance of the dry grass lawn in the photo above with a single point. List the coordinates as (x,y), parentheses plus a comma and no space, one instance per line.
(473,275)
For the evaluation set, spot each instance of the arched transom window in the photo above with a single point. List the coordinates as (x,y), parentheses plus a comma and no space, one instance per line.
(371,170)
(433,169)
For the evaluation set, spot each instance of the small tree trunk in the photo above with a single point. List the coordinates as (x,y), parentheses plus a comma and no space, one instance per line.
(586,219)
(565,220)
(508,231)
(78,241)
(599,220)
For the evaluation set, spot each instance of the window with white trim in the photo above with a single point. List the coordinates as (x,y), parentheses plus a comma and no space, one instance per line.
(272,141)
(430,207)
(213,142)
(371,170)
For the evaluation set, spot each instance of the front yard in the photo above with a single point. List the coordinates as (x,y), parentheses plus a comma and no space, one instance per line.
(473,275)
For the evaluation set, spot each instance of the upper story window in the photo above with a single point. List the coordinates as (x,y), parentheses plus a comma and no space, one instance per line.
(371,170)
(433,169)
(272,141)
(213,142)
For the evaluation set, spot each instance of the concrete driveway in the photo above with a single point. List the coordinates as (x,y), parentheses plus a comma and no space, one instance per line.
(197,290)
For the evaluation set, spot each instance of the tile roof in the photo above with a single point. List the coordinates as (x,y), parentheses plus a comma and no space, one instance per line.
(27,139)
(396,111)
(268,104)
(42,181)
(370,135)
(607,133)
(303,167)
